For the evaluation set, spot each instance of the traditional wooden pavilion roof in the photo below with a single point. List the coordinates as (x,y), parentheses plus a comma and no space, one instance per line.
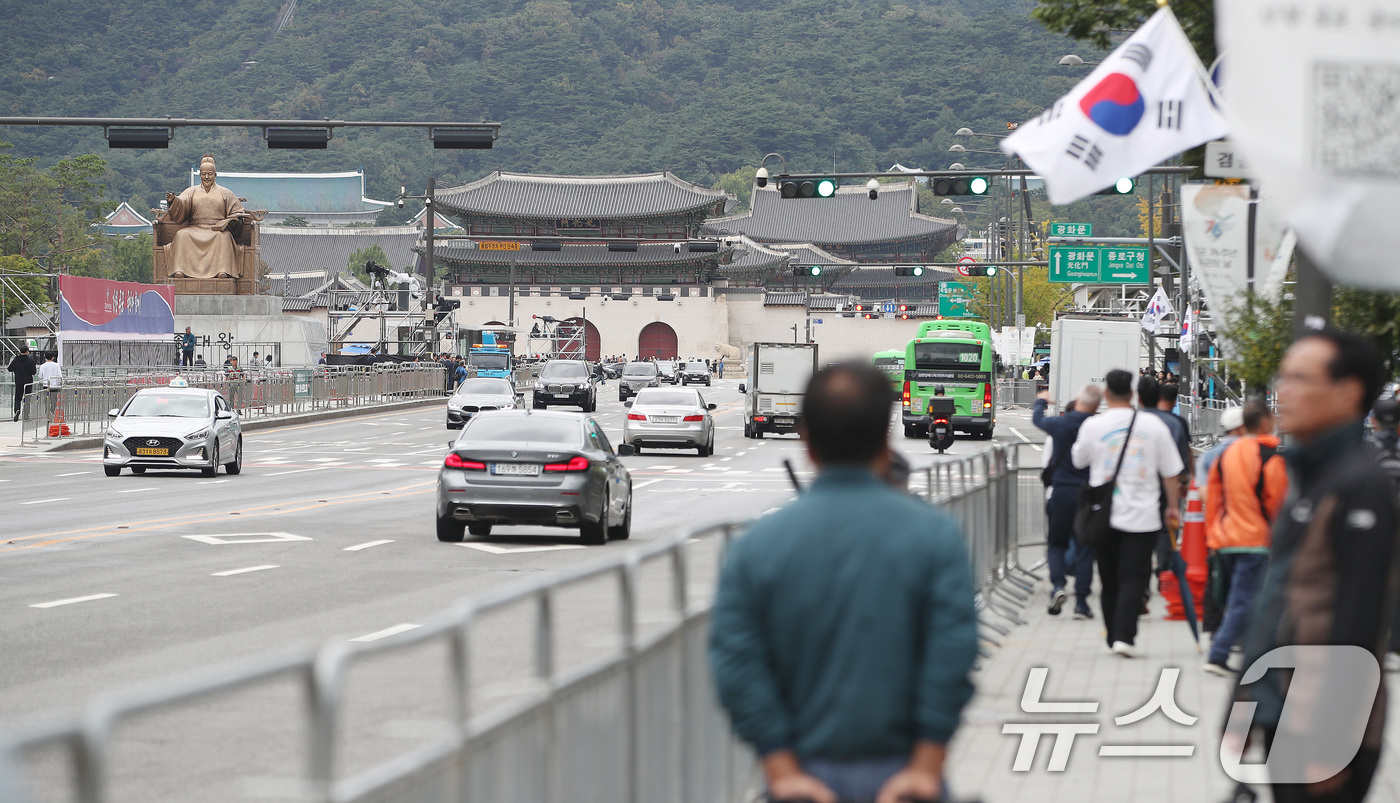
(575,257)
(125,220)
(322,199)
(847,218)
(537,196)
(754,262)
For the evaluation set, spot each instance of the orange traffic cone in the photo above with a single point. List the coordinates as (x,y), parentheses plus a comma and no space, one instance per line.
(1192,545)
(58,428)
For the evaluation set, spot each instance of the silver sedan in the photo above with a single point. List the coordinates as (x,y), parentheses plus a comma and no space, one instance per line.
(674,419)
(534,468)
(173,427)
(479,396)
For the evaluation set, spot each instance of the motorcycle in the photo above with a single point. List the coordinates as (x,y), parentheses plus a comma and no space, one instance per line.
(940,431)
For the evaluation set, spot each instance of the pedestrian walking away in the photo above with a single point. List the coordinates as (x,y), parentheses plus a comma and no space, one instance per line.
(51,380)
(1217,582)
(1331,571)
(1064,480)
(22,366)
(1247,486)
(842,654)
(187,344)
(1140,451)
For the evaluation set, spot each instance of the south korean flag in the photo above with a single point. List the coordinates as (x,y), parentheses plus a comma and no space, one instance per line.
(1146,102)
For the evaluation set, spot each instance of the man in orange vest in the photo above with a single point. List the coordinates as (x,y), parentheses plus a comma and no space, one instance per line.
(1246,489)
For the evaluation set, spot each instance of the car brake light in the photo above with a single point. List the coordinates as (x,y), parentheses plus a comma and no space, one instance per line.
(694,418)
(760,418)
(576,463)
(455,461)
(636,417)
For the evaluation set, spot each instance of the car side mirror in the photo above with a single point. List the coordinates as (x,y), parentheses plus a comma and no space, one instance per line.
(743,389)
(627,404)
(450,444)
(625,450)
(710,406)
(113,413)
(224,415)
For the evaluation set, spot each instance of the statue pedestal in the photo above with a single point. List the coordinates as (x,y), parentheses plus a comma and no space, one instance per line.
(211,287)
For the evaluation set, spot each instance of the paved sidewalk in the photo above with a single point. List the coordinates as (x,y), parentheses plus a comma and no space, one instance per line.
(1081,670)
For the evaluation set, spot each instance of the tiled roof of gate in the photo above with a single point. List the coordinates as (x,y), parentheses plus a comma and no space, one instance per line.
(582,255)
(328,250)
(526,195)
(847,218)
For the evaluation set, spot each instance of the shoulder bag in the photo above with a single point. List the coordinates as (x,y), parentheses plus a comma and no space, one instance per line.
(1092,520)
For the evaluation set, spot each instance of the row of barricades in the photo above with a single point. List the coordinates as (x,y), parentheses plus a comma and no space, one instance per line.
(564,719)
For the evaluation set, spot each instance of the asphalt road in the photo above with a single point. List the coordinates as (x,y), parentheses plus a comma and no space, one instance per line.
(328,534)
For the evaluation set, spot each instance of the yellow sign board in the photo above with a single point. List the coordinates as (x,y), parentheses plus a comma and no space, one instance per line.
(498,245)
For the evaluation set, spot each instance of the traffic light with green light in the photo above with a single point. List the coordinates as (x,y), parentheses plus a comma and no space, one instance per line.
(909,270)
(981,270)
(808,187)
(805,270)
(1123,186)
(960,185)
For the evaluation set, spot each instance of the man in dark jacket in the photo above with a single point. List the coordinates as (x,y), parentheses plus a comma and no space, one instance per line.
(22,366)
(1065,482)
(842,654)
(1331,573)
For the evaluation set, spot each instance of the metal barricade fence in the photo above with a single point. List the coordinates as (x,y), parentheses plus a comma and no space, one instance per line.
(85,400)
(1016,392)
(637,726)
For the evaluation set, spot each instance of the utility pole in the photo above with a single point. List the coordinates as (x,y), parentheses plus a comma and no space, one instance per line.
(1312,305)
(510,317)
(429,221)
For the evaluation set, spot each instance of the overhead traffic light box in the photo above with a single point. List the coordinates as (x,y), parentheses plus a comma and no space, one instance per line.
(808,187)
(960,185)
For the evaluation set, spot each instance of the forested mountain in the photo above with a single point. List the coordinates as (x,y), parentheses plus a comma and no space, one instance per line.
(699,87)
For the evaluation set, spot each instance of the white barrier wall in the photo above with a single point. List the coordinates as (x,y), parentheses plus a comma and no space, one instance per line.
(253,319)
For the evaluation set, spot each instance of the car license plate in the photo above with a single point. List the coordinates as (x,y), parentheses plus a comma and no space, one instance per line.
(516,469)
(561,395)
(143,452)
(783,421)
(664,419)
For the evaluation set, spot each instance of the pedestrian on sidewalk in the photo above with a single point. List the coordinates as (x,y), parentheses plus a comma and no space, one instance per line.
(1065,480)
(51,380)
(22,366)
(719,367)
(1332,563)
(1217,582)
(187,344)
(1246,489)
(842,653)
(1140,449)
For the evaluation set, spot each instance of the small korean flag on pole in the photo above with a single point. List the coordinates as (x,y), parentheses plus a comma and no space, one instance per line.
(1158,308)
(1148,101)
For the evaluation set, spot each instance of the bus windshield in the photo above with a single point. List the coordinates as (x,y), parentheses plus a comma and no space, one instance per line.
(481,360)
(947,355)
(890,363)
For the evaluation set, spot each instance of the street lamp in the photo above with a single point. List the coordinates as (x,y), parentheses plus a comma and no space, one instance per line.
(968,132)
(1074,61)
(961,149)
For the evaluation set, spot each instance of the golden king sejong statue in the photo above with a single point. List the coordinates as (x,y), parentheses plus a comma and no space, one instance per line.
(209,216)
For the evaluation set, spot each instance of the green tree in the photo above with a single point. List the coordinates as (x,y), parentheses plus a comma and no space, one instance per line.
(46,214)
(1257,332)
(129,260)
(295,221)
(1100,21)
(356,263)
(22,293)
(738,183)
(1375,315)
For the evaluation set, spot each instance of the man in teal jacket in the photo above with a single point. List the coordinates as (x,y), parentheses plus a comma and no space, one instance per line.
(844,627)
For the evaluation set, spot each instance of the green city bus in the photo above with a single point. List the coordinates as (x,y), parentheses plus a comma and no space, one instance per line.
(892,363)
(957,356)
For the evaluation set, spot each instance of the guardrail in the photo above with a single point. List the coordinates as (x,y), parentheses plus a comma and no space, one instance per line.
(84,401)
(638,726)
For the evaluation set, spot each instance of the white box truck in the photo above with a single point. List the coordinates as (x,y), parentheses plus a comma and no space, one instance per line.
(1084,348)
(778,376)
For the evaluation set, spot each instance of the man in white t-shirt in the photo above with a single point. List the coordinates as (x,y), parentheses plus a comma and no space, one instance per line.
(1125,560)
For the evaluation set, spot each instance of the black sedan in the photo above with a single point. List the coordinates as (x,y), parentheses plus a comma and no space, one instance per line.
(569,383)
(695,372)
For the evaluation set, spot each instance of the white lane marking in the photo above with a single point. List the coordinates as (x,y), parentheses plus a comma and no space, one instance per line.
(775,469)
(771,510)
(386,632)
(212,482)
(644,483)
(232,572)
(380,460)
(1017,433)
(46,501)
(725,459)
(4,480)
(298,471)
(72,473)
(326,460)
(707,465)
(368,544)
(678,470)
(387,465)
(245,538)
(136,490)
(658,468)
(736,471)
(72,600)
(519,550)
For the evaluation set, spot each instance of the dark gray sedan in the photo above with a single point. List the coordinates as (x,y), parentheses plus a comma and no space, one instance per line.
(534,468)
